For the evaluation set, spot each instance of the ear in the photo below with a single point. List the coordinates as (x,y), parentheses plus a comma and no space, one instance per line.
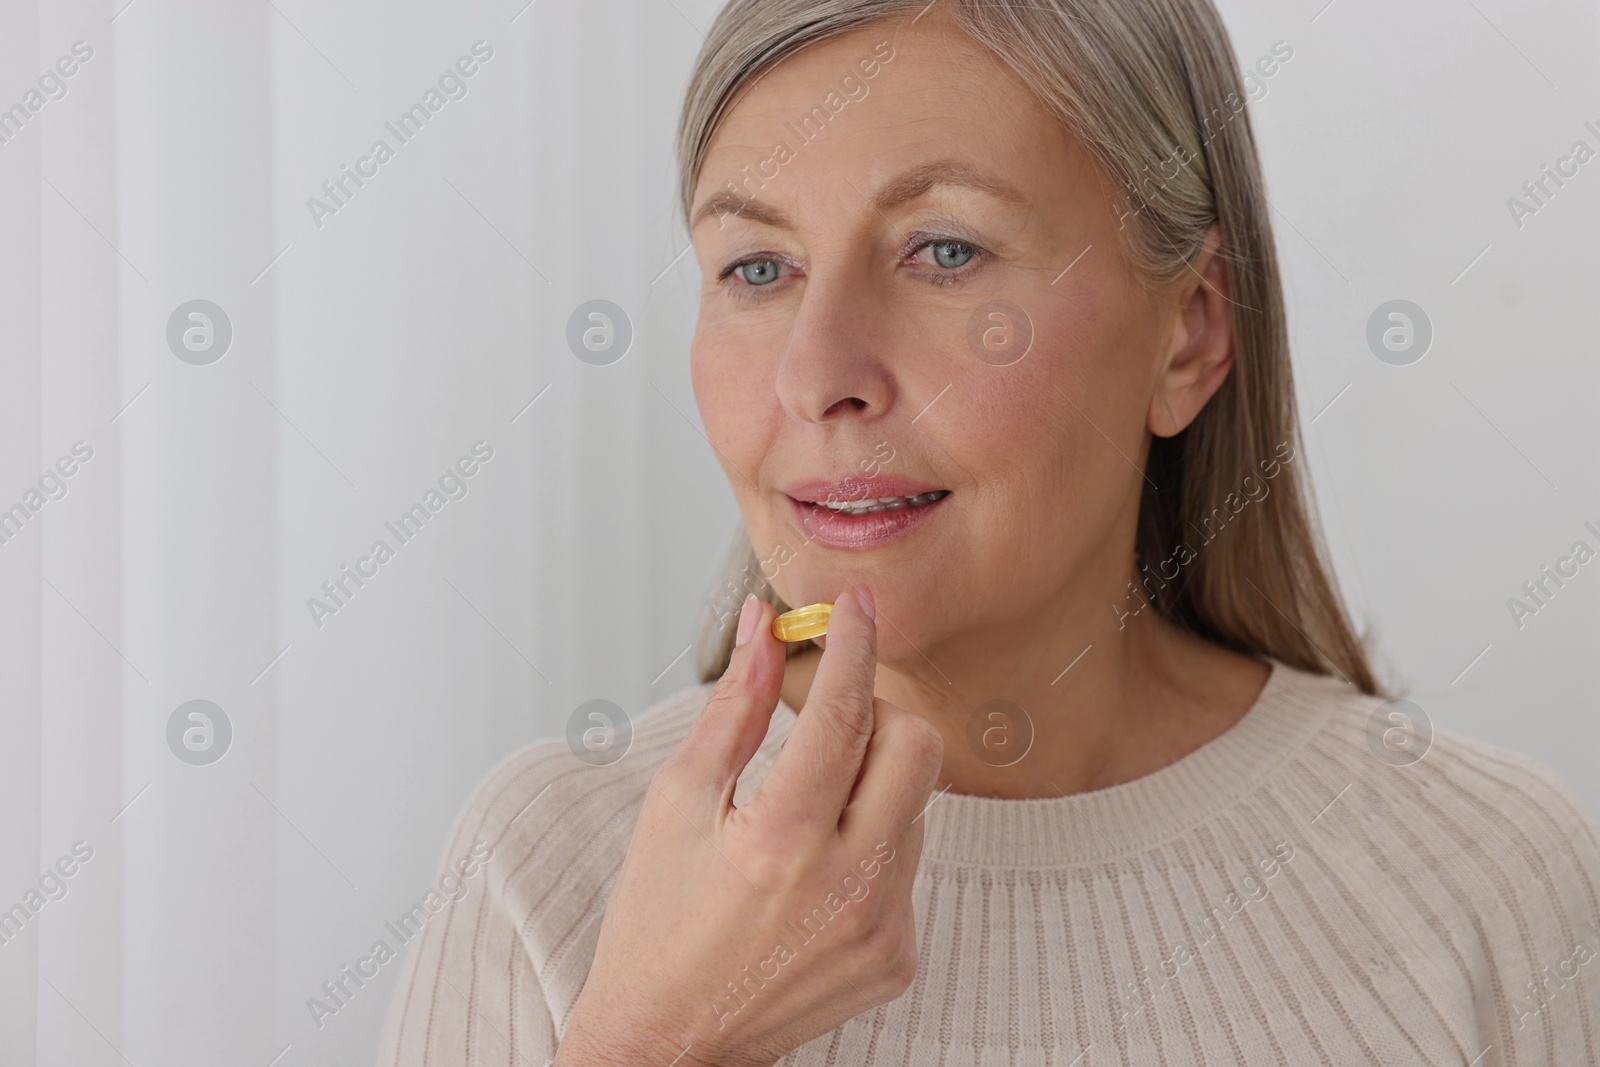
(1200,350)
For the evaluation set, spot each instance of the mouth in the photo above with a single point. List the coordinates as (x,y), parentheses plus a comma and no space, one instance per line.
(872,505)
(863,513)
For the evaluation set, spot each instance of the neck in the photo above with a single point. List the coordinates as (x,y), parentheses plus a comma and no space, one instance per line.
(1086,702)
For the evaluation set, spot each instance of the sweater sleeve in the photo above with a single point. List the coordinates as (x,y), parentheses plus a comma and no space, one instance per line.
(469,992)
(1562,997)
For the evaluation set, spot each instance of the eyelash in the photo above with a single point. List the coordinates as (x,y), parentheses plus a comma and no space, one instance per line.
(749,292)
(915,244)
(940,275)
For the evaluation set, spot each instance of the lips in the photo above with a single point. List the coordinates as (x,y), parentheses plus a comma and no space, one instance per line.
(853,489)
(859,512)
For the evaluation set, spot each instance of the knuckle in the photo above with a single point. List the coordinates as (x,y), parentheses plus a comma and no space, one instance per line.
(869,636)
(881,945)
(763,868)
(857,640)
(852,716)
(923,741)
(667,784)
(726,705)
(728,690)
(771,863)
(887,960)
(676,785)
(903,971)
(666,776)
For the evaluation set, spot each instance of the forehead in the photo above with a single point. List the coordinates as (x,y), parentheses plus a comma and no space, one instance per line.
(867,106)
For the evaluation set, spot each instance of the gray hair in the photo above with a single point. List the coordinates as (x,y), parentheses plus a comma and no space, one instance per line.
(1150,89)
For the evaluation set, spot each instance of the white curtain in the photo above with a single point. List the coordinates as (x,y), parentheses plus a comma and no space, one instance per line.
(387,330)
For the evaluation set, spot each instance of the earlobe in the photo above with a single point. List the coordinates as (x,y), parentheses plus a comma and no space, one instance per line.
(1202,339)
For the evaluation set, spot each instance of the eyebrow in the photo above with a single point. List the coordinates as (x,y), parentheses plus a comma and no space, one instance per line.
(731,203)
(914,183)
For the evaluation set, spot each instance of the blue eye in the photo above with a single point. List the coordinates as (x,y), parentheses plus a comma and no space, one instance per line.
(951,254)
(758,272)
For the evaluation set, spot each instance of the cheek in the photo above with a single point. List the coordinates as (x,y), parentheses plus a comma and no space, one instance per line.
(1046,442)
(735,404)
(1017,453)
(1012,426)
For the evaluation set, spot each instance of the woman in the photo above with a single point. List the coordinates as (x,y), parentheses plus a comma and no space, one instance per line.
(1090,766)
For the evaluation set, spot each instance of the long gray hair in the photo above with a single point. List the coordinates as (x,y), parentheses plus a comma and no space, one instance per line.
(1150,88)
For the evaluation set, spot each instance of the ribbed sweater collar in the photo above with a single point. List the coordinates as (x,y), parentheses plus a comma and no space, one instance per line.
(1130,817)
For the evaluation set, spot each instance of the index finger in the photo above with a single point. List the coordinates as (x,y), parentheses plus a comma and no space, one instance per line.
(812,779)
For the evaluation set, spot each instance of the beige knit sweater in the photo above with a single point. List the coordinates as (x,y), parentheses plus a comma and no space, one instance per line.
(1281,895)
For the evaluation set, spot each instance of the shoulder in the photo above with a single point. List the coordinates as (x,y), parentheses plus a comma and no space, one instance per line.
(1443,848)
(1401,764)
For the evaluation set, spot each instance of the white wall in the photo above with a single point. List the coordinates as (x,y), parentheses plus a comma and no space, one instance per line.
(425,314)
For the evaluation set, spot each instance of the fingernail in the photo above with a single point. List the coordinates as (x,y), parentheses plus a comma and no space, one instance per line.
(748,616)
(864,598)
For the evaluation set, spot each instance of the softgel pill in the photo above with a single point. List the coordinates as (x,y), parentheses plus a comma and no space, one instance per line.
(802,624)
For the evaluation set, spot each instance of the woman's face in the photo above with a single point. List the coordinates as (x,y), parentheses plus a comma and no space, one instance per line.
(869,219)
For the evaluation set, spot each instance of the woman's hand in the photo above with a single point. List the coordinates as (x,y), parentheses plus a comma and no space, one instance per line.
(736,934)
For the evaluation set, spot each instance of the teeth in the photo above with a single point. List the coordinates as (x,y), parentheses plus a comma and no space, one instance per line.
(869,505)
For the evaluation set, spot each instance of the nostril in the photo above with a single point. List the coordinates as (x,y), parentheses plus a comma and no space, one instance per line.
(853,401)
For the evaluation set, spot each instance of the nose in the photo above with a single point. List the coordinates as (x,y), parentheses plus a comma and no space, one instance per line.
(837,362)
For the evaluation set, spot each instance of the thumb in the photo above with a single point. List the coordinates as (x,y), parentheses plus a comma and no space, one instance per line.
(736,716)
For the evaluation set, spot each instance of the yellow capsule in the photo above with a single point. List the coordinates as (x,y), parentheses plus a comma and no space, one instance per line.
(802,624)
